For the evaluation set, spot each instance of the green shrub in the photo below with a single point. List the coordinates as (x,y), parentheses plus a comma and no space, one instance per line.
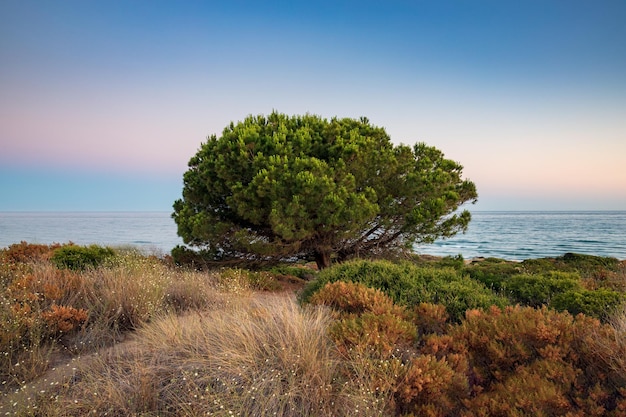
(492,272)
(587,265)
(301,272)
(537,290)
(397,280)
(583,262)
(461,294)
(263,281)
(79,258)
(600,303)
(410,285)
(457,262)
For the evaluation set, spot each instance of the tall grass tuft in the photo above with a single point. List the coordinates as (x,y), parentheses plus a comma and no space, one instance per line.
(610,345)
(130,290)
(268,358)
(44,310)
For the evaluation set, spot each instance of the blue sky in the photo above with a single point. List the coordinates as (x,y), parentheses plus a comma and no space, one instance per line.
(103,102)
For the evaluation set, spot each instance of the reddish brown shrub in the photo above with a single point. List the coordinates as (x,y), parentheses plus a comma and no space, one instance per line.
(28,252)
(356,298)
(430,318)
(46,284)
(63,319)
(377,335)
(430,387)
(499,342)
(528,392)
(524,361)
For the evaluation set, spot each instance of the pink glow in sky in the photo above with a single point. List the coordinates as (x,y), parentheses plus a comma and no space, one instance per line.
(530,98)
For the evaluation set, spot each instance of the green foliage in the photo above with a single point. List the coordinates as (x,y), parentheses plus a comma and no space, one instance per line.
(410,285)
(280,187)
(263,281)
(587,284)
(538,290)
(79,258)
(599,303)
(456,262)
(459,293)
(301,271)
(493,272)
(394,279)
(587,265)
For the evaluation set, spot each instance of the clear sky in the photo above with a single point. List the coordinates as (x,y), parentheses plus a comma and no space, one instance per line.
(102,103)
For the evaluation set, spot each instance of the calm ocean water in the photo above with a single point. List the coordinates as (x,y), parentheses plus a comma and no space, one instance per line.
(507,235)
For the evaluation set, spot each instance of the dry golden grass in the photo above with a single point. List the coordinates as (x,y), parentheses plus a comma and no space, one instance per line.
(613,347)
(132,290)
(610,345)
(260,356)
(122,295)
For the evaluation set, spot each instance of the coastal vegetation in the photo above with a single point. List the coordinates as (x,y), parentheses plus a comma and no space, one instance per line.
(277,187)
(136,334)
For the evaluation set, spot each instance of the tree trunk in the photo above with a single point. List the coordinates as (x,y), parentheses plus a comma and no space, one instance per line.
(322,259)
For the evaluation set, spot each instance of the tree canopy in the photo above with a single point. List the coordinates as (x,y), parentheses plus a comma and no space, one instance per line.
(277,187)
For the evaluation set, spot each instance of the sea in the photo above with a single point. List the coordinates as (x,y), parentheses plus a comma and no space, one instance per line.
(511,235)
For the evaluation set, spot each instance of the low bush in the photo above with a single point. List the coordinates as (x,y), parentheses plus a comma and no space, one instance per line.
(63,319)
(79,258)
(409,285)
(538,289)
(368,323)
(600,303)
(16,260)
(398,280)
(460,294)
(25,252)
(378,336)
(430,318)
(355,298)
(430,386)
(524,361)
(586,265)
(493,272)
(298,271)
